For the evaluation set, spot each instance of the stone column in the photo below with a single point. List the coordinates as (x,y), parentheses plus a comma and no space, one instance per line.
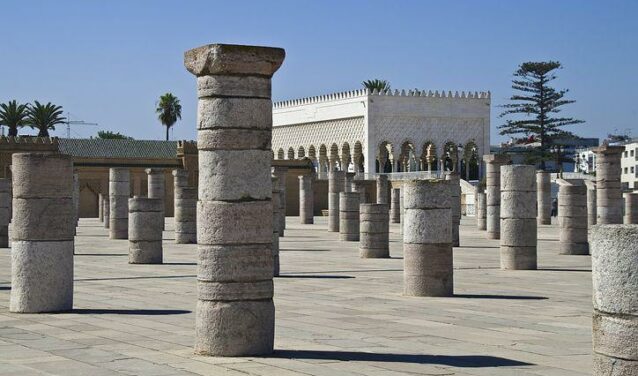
(591,202)
(481,211)
(456,205)
(306,200)
(493,163)
(395,206)
(5,211)
(185,215)
(235,314)
(382,189)
(276,207)
(374,231)
(145,218)
(349,216)
(100,207)
(572,217)
(106,210)
(631,208)
(427,238)
(608,188)
(76,198)
(518,217)
(359,186)
(119,192)
(544,197)
(614,250)
(42,233)
(349,184)
(336,182)
(281,173)
(157,188)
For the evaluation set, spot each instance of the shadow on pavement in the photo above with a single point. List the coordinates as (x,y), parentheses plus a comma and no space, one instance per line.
(140,312)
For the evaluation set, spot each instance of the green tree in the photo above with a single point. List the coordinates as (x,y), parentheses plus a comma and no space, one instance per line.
(13,116)
(534,106)
(168,111)
(379,85)
(108,135)
(44,117)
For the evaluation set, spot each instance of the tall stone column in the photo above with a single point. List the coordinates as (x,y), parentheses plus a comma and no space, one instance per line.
(427,238)
(544,197)
(106,210)
(374,230)
(382,189)
(493,163)
(145,219)
(306,200)
(359,186)
(608,189)
(42,233)
(157,188)
(235,314)
(76,197)
(481,211)
(349,216)
(336,183)
(572,217)
(276,207)
(456,206)
(395,206)
(119,192)
(349,184)
(614,250)
(591,202)
(518,217)
(631,208)
(281,173)
(5,211)
(100,207)
(185,208)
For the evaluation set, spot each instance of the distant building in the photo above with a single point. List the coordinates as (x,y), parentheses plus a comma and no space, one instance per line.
(568,150)
(585,161)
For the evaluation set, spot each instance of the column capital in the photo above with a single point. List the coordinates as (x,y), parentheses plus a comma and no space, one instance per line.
(231,59)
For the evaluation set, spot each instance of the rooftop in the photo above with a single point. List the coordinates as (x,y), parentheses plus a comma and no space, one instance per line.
(114,148)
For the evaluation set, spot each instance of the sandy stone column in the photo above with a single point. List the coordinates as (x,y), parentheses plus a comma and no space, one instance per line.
(157,187)
(5,211)
(382,189)
(119,192)
(456,205)
(235,314)
(100,207)
(427,238)
(106,210)
(42,233)
(185,208)
(306,200)
(631,208)
(544,197)
(145,218)
(572,217)
(493,163)
(395,206)
(608,189)
(591,202)
(76,198)
(614,250)
(276,207)
(374,231)
(282,173)
(349,216)
(359,186)
(349,183)
(518,217)
(336,184)
(481,211)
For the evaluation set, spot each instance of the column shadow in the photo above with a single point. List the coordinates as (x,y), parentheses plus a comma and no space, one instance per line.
(318,276)
(564,270)
(503,297)
(140,312)
(5,288)
(101,254)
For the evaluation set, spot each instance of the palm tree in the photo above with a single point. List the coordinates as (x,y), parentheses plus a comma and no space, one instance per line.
(168,111)
(44,117)
(379,85)
(13,115)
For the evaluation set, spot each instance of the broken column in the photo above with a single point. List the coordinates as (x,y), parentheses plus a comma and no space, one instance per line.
(349,216)
(276,207)
(382,189)
(518,217)
(481,211)
(119,192)
(106,209)
(614,250)
(349,183)
(185,208)
(157,188)
(100,207)
(374,230)
(5,211)
(493,163)
(306,200)
(281,173)
(336,183)
(359,186)
(608,189)
(395,206)
(591,202)
(43,226)
(235,314)
(631,208)
(544,197)
(427,238)
(456,206)
(145,218)
(572,217)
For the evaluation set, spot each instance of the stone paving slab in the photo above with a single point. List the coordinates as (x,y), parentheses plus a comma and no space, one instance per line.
(337,314)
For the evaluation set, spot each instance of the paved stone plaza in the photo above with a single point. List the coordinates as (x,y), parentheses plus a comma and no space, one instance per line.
(336,314)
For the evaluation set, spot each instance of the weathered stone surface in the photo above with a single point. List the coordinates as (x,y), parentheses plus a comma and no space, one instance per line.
(282,175)
(572,217)
(276,224)
(631,208)
(235,86)
(610,366)
(336,184)
(243,171)
(146,220)
(119,192)
(106,210)
(382,189)
(349,216)
(374,231)
(429,271)
(221,222)
(544,197)
(43,219)
(454,178)
(591,204)
(37,168)
(481,211)
(233,60)
(234,113)
(235,263)
(608,189)
(306,199)
(5,211)
(395,206)
(493,163)
(100,206)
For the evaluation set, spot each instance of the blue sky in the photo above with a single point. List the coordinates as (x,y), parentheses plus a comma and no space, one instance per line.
(109,61)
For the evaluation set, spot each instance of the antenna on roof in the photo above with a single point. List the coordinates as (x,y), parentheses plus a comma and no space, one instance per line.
(70,122)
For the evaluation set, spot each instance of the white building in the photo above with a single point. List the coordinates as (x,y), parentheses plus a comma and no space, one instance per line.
(367,132)
(629,166)
(585,161)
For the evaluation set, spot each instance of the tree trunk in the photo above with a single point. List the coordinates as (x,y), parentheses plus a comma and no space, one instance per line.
(167,127)
(13,131)
(43,132)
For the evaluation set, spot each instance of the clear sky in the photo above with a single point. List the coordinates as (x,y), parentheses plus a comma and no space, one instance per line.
(109,61)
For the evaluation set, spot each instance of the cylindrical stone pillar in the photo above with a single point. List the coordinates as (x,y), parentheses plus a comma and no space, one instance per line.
(427,238)
(306,200)
(76,197)
(336,183)
(157,187)
(572,217)
(374,230)
(106,210)
(631,208)
(42,233)
(5,211)
(359,186)
(276,207)
(518,217)
(185,215)
(145,217)
(591,203)
(481,211)
(395,206)
(349,183)
(493,163)
(282,174)
(544,197)
(614,250)
(382,189)
(235,314)
(456,206)
(119,192)
(100,207)
(349,216)
(608,189)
